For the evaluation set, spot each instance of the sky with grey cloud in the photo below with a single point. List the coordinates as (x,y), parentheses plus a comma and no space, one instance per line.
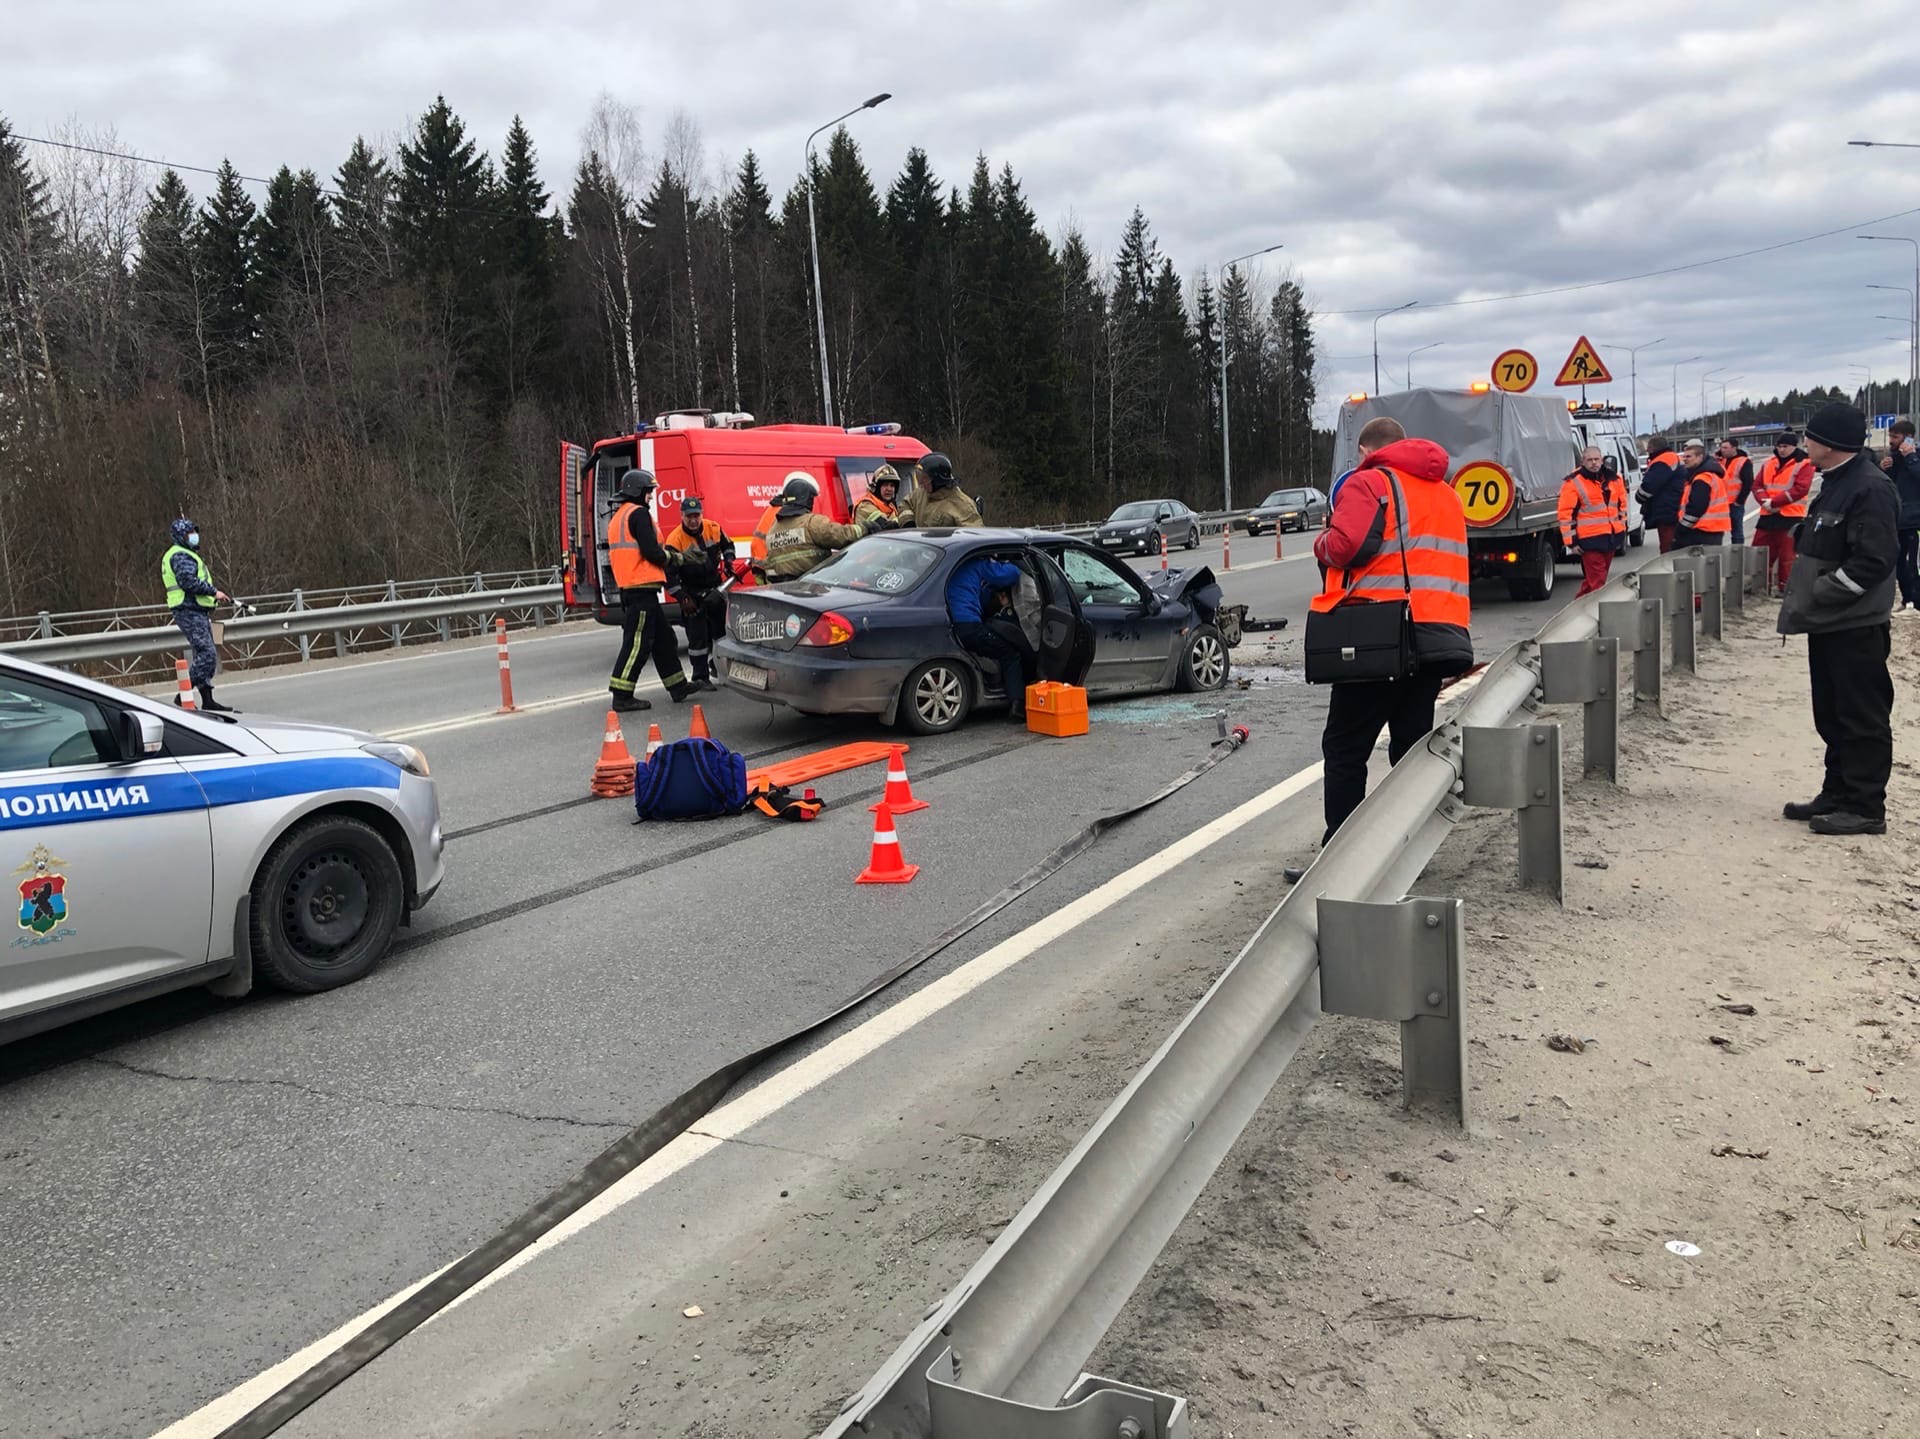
(1443,154)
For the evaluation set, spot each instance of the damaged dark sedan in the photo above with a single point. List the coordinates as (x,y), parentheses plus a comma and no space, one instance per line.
(868,632)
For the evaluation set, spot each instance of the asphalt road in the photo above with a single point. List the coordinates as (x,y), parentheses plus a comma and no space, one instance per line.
(196,1189)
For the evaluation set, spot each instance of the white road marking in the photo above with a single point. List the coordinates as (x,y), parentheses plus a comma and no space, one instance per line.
(293,670)
(774,1094)
(480,717)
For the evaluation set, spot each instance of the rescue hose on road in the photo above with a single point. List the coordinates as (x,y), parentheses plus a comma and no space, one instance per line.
(653,1134)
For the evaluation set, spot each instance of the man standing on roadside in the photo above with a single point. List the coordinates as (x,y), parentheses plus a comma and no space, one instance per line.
(192,595)
(1782,488)
(1706,509)
(1737,465)
(1593,517)
(1902,464)
(1397,535)
(1660,491)
(1840,597)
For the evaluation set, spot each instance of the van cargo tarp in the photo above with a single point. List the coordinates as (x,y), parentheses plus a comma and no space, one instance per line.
(1530,436)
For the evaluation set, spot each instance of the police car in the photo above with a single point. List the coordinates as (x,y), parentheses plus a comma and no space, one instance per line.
(154,849)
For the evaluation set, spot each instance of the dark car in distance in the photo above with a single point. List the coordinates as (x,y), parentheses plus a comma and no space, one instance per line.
(868,632)
(1297,509)
(1139,526)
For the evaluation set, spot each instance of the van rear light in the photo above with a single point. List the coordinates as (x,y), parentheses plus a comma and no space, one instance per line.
(829,629)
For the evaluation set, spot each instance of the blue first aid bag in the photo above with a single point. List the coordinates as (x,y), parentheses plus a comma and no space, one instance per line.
(690,779)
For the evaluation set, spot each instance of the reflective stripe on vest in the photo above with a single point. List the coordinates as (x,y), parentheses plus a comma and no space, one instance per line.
(1718,520)
(1436,578)
(710,534)
(763,529)
(791,551)
(1774,482)
(631,569)
(1593,514)
(176,596)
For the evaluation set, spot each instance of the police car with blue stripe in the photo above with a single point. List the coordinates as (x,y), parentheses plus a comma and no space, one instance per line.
(155,849)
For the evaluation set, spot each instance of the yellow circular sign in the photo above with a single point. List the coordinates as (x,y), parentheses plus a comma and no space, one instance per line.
(1485,490)
(1515,371)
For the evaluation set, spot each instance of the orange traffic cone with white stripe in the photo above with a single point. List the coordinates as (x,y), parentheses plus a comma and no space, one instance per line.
(654,739)
(613,775)
(886,866)
(697,727)
(899,796)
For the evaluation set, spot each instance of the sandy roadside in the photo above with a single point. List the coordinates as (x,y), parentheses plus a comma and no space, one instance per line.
(1351,1271)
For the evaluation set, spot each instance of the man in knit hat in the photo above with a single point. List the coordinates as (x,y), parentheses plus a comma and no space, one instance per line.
(1840,596)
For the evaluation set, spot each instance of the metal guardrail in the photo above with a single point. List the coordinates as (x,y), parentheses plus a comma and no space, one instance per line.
(1000,1357)
(288,634)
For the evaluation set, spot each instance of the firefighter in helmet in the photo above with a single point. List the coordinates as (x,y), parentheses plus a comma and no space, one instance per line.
(641,565)
(800,539)
(707,563)
(945,505)
(882,499)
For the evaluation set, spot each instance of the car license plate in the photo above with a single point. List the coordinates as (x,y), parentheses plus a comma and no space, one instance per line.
(759,629)
(752,676)
(1110,540)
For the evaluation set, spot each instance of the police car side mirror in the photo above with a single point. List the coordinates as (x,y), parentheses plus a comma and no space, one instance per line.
(141,735)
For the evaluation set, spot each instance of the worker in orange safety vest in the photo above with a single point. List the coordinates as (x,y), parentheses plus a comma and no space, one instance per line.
(1781,490)
(1593,518)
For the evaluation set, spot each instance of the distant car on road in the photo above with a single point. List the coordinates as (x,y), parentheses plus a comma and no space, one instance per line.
(156,849)
(1138,527)
(868,632)
(1302,509)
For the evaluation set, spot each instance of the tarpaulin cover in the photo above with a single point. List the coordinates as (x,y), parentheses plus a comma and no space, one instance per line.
(1530,436)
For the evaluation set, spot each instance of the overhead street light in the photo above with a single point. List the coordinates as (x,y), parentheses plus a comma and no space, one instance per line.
(1226,442)
(1673,419)
(1421,351)
(1721,385)
(1376,338)
(1704,378)
(1885,144)
(813,240)
(1633,378)
(1867,370)
(1913,296)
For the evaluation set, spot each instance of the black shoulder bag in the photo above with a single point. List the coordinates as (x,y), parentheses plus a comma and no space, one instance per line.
(1360,639)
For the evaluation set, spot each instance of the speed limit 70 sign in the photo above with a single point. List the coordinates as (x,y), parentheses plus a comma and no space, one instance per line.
(1515,371)
(1485,490)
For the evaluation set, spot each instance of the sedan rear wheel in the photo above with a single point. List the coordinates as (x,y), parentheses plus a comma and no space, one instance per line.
(1204,662)
(936,697)
(1193,537)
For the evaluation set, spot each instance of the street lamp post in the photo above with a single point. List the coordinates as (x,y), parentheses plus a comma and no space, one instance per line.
(1226,440)
(1913,323)
(1704,378)
(813,240)
(1721,385)
(1376,338)
(1633,366)
(1421,351)
(1673,419)
(1867,370)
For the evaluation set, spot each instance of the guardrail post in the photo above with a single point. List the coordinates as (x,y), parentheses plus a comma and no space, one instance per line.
(340,644)
(1637,624)
(1518,768)
(1712,588)
(1585,672)
(1403,962)
(1733,581)
(1094,1408)
(303,639)
(394,631)
(46,626)
(1675,591)
(1758,570)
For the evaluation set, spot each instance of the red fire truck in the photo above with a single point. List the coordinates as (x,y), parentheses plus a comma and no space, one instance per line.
(735,467)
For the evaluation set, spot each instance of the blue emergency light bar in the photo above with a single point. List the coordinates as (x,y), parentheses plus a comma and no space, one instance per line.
(890,428)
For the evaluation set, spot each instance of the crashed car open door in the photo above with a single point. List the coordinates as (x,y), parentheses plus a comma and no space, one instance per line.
(1061,637)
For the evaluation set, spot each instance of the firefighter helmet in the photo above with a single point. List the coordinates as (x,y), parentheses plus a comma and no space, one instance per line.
(636,486)
(883,475)
(938,470)
(799,492)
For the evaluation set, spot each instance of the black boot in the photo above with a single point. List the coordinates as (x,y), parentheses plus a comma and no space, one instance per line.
(628,703)
(1801,813)
(1840,822)
(211,705)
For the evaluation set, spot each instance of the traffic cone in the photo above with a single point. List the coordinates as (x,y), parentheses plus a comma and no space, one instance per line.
(613,775)
(654,739)
(697,729)
(899,796)
(886,866)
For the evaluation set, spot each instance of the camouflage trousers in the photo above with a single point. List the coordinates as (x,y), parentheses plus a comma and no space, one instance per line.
(197,625)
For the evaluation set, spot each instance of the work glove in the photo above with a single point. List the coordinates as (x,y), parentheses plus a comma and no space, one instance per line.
(881,522)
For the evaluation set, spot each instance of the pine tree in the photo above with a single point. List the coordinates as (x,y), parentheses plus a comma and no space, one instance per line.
(1292,326)
(364,207)
(228,279)
(290,240)
(441,206)
(523,322)
(26,248)
(914,213)
(527,233)
(749,205)
(1082,325)
(1025,365)
(165,285)
(1206,345)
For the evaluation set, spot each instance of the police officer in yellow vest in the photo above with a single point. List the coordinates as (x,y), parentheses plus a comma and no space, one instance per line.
(801,540)
(191,595)
(640,564)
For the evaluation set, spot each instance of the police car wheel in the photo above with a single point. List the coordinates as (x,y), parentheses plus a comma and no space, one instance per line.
(1204,663)
(937,697)
(326,904)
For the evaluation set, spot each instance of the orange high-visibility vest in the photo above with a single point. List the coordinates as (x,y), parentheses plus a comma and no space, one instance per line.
(762,530)
(710,534)
(1585,510)
(1435,583)
(631,569)
(1718,520)
(1667,458)
(1776,481)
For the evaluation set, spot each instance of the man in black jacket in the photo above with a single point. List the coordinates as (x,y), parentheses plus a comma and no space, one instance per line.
(1902,464)
(1840,596)
(1660,491)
